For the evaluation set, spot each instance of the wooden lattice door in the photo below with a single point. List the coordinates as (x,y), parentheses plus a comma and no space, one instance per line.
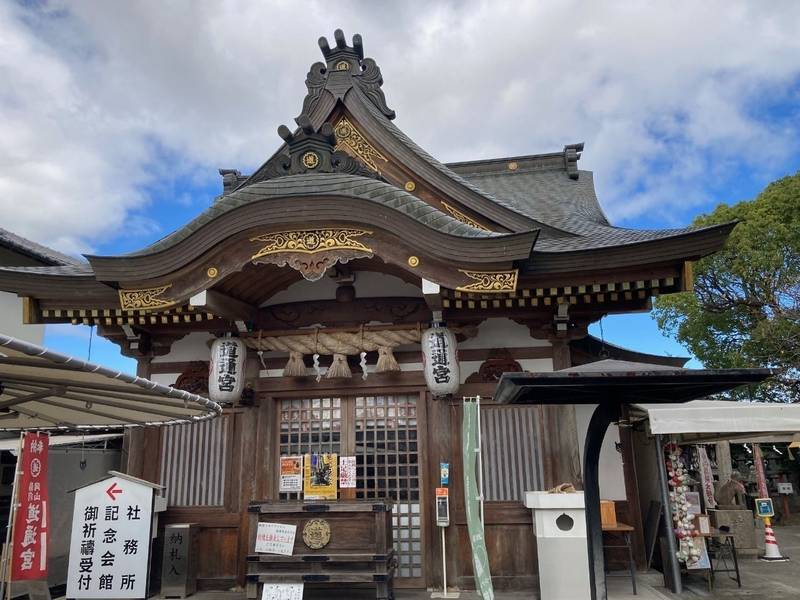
(382,432)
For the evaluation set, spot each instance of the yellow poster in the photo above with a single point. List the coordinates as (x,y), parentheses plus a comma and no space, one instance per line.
(319,481)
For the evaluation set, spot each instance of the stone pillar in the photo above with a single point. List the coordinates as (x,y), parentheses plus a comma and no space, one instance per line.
(724,465)
(560,419)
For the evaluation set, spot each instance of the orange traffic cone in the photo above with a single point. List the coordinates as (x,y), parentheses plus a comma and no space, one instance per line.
(771,551)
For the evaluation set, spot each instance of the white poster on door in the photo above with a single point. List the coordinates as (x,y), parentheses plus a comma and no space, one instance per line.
(282,591)
(110,543)
(347,471)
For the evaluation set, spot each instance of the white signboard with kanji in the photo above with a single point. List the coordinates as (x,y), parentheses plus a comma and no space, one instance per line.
(110,544)
(275,538)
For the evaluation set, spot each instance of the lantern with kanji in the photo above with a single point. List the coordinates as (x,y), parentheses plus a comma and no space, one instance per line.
(440,360)
(226,372)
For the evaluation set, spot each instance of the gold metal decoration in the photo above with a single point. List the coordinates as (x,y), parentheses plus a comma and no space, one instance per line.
(513,166)
(294,248)
(349,139)
(316,533)
(460,216)
(145,299)
(410,186)
(490,282)
(310,160)
(413,261)
(343,65)
(310,241)
(212,272)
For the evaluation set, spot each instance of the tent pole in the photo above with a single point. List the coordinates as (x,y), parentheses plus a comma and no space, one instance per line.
(670,562)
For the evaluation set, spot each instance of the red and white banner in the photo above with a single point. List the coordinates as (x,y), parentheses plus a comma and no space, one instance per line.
(706,478)
(761,479)
(29,549)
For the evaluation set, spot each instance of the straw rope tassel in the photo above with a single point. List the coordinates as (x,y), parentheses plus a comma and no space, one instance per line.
(339,368)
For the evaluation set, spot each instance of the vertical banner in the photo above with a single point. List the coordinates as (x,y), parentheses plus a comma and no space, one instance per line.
(761,478)
(706,478)
(472,503)
(29,549)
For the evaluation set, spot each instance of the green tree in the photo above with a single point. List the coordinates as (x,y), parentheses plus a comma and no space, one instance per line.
(745,309)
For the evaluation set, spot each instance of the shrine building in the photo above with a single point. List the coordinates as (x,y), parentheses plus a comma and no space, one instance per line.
(329,262)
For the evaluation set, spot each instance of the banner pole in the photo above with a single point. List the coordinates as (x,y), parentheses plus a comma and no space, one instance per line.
(12,515)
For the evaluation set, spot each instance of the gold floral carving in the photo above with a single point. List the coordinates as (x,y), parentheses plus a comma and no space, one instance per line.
(145,299)
(490,282)
(316,533)
(311,251)
(460,216)
(310,160)
(349,139)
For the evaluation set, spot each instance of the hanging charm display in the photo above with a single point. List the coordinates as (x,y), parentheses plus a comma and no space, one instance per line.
(439,359)
(683,521)
(226,372)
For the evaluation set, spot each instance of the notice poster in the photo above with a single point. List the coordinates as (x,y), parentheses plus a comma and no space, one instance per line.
(291,474)
(319,482)
(282,591)
(29,559)
(109,549)
(347,471)
(275,538)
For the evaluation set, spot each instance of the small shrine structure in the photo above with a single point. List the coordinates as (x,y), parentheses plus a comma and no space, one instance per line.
(328,263)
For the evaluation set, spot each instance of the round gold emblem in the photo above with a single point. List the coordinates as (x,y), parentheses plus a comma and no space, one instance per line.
(310,160)
(413,261)
(410,186)
(316,533)
(513,166)
(343,65)
(212,272)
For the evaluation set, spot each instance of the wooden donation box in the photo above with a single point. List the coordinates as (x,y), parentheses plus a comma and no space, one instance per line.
(336,544)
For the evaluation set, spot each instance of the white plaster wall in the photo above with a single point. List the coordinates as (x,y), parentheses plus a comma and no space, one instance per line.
(368,285)
(194,346)
(164,378)
(503,333)
(612,477)
(11,320)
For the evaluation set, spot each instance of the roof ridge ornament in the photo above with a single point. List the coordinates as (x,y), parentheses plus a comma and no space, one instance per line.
(313,151)
(571,157)
(344,67)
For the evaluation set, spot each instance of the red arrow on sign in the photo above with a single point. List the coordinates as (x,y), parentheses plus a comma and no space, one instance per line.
(112,490)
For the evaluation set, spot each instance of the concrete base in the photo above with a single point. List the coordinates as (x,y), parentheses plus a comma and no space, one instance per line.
(742,524)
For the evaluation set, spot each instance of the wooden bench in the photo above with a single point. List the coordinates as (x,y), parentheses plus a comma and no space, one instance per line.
(359,549)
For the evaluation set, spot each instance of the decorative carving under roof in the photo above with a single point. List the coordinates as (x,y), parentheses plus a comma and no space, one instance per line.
(298,249)
(490,282)
(350,140)
(460,216)
(345,66)
(313,152)
(148,298)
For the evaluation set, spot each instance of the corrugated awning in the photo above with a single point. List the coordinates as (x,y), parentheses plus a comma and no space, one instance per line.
(41,389)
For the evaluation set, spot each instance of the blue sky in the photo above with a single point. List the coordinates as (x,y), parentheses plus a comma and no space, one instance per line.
(114,118)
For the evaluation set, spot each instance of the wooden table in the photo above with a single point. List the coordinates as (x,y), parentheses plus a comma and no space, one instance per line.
(625,530)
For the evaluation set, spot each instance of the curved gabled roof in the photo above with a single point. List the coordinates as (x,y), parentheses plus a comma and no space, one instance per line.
(325,184)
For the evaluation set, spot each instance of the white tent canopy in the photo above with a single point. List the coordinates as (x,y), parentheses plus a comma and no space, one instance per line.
(41,389)
(720,419)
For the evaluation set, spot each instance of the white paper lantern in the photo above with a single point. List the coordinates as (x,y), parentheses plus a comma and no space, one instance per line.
(440,361)
(226,373)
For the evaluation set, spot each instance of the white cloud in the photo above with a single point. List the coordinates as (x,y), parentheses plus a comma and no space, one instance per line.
(666,96)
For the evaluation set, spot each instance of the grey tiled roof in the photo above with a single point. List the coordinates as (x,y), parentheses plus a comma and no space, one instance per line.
(22,245)
(444,169)
(568,206)
(325,184)
(74,270)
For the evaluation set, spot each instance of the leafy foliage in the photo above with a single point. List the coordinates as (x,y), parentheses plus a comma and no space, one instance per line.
(745,309)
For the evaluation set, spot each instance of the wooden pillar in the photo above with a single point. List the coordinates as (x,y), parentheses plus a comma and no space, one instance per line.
(133,445)
(561,444)
(442,446)
(632,489)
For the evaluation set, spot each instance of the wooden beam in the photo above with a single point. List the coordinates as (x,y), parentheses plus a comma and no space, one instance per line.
(22,398)
(224,306)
